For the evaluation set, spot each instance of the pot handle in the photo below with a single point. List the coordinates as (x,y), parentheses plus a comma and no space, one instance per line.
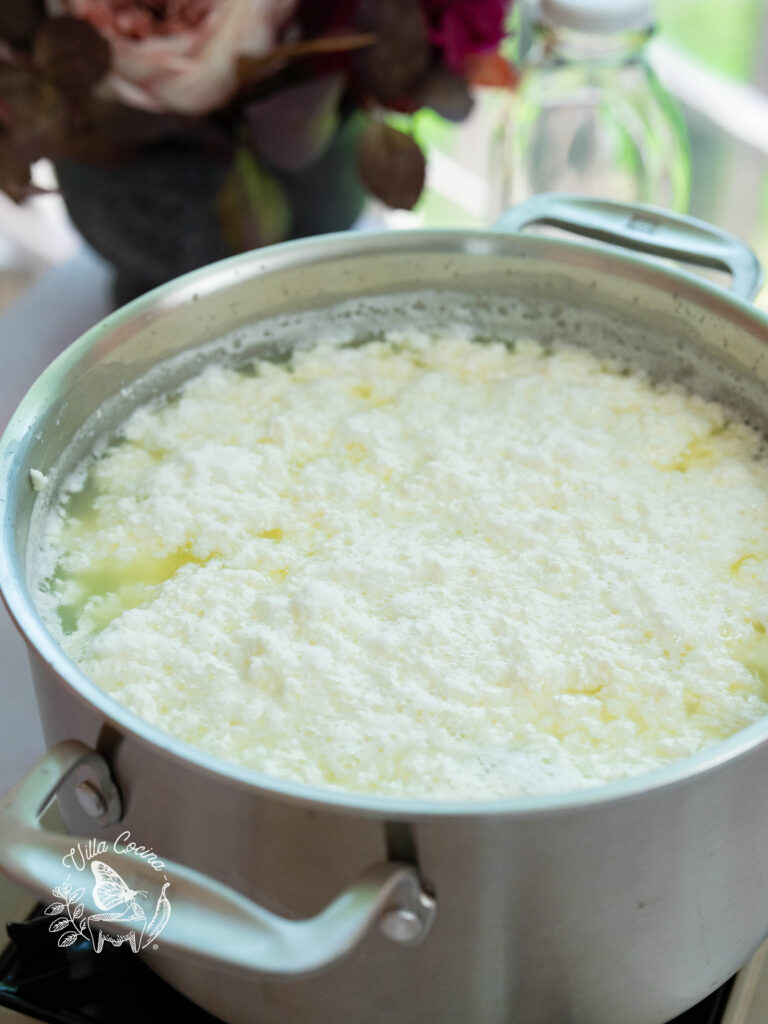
(203,917)
(645,229)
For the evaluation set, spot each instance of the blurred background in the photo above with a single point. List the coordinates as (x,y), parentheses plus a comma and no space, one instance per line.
(711,55)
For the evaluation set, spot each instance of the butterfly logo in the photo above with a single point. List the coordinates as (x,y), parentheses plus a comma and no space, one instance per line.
(109,891)
(118,901)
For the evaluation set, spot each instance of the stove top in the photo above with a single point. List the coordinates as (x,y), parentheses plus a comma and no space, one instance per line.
(78,986)
(75,985)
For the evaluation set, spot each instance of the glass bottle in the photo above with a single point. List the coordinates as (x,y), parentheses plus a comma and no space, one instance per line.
(590,115)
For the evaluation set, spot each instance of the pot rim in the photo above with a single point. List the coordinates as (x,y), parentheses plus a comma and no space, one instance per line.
(30,624)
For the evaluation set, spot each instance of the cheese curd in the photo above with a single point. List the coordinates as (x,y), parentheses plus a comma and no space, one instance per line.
(426,567)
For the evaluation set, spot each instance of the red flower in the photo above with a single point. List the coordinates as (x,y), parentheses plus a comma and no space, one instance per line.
(464,27)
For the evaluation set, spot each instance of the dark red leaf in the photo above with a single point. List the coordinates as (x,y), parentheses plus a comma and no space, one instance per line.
(72,54)
(34,118)
(447,94)
(20,93)
(252,71)
(293,127)
(394,65)
(320,18)
(15,180)
(130,127)
(19,20)
(391,165)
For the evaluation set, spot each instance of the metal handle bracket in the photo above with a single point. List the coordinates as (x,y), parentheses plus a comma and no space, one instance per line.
(209,920)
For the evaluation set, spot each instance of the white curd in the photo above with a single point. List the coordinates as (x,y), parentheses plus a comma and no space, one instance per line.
(425,567)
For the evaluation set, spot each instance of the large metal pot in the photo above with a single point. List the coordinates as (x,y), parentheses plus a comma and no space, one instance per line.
(623,903)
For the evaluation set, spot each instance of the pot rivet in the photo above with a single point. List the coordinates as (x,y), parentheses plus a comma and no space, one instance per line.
(90,799)
(402,925)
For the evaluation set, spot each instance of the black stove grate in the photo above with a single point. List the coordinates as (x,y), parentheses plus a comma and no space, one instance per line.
(78,986)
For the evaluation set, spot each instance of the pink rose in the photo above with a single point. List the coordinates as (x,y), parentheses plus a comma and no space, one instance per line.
(179,55)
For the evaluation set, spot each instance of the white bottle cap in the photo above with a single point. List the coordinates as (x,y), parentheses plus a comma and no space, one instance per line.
(598,15)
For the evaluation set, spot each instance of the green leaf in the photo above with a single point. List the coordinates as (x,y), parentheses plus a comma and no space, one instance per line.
(71,54)
(391,165)
(251,205)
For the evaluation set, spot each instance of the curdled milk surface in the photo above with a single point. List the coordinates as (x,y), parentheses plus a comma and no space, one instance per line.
(425,567)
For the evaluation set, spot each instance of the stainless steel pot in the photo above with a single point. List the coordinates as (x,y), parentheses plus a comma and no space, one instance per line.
(623,903)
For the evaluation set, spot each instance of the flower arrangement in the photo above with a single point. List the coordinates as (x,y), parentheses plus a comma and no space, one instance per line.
(259,90)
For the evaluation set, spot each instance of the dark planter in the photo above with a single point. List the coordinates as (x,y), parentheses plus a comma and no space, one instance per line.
(153,217)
